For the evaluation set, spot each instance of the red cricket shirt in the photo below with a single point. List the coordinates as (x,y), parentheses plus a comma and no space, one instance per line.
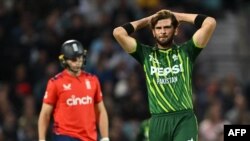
(73,99)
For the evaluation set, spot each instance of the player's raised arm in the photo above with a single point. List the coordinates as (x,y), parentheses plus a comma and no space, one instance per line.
(122,33)
(205,25)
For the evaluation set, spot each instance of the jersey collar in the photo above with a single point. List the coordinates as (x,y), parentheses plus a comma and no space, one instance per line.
(66,73)
(174,46)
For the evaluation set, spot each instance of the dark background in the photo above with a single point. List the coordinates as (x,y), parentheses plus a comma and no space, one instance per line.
(31,33)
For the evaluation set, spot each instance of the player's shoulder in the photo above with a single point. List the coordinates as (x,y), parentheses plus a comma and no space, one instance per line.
(184,47)
(89,75)
(57,77)
(189,42)
(145,46)
(148,47)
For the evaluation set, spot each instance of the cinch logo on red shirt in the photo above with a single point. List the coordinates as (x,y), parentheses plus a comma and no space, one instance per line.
(73,100)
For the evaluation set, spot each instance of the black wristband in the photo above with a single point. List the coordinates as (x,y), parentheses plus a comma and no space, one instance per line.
(199,20)
(129,28)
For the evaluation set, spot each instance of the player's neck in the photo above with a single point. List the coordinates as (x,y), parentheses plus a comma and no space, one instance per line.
(74,73)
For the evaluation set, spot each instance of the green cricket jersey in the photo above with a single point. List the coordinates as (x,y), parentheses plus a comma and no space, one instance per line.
(168,75)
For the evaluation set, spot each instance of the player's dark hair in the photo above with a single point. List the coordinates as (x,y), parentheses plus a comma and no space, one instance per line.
(164,15)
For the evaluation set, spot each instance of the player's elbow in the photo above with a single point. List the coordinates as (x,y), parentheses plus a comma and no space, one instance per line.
(118,31)
(211,22)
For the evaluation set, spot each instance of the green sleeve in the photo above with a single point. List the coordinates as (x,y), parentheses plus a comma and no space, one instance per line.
(192,50)
(138,54)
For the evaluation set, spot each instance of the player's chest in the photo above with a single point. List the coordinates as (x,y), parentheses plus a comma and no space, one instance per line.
(159,59)
(78,88)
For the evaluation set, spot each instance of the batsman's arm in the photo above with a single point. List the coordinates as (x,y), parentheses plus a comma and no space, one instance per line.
(102,119)
(44,120)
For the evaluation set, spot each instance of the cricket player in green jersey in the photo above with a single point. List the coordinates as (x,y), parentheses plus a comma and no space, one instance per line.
(168,70)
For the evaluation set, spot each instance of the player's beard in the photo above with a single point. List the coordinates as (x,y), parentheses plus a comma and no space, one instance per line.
(166,43)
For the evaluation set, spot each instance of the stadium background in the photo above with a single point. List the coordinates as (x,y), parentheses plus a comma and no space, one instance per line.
(31,33)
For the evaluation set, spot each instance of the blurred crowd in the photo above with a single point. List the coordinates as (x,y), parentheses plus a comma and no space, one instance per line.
(31,34)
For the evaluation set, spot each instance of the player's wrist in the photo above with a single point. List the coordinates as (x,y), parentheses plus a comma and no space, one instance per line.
(104,139)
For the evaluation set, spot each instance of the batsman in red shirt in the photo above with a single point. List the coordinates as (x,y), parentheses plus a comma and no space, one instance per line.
(74,98)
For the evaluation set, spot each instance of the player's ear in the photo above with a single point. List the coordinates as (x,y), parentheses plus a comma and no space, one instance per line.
(62,60)
(153,32)
(176,32)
